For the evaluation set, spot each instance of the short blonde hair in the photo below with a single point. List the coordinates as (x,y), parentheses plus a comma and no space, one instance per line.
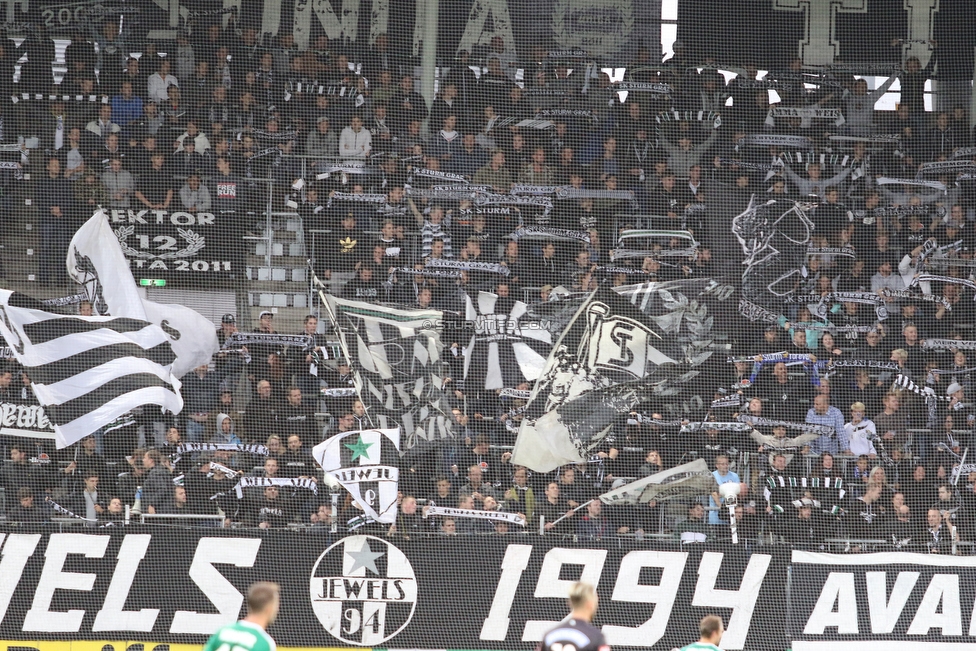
(858,406)
(580,594)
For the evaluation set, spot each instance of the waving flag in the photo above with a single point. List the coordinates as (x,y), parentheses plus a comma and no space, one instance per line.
(503,351)
(607,358)
(687,480)
(365,463)
(88,371)
(96,262)
(396,354)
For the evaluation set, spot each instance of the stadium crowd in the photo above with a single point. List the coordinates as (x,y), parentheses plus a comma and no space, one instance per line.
(200,126)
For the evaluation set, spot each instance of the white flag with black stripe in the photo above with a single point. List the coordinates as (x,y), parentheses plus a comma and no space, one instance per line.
(88,371)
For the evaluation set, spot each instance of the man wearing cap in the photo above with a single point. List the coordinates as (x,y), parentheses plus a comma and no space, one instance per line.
(806,526)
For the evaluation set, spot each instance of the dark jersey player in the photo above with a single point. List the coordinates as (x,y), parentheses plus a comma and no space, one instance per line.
(576,632)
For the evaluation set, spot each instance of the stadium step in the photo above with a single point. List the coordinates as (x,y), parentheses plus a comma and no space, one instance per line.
(279,274)
(288,261)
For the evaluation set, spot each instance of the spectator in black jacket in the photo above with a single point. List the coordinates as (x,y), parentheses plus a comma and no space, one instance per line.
(55,204)
(296,461)
(25,510)
(262,414)
(296,417)
(157,489)
(16,474)
(199,399)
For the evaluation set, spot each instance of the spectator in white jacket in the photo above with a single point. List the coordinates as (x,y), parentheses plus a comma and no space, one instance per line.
(160,81)
(198,137)
(355,141)
(194,195)
(861,432)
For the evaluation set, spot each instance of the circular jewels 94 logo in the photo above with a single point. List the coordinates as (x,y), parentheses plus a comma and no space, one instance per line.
(363,590)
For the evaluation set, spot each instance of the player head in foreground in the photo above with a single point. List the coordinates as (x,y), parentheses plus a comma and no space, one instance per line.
(576,632)
(263,601)
(249,634)
(711,630)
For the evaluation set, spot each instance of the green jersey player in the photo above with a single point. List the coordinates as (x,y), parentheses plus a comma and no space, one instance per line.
(250,634)
(711,630)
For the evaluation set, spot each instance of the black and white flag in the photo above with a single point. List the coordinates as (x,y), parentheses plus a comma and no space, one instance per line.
(607,360)
(96,262)
(687,480)
(88,371)
(397,356)
(365,463)
(503,350)
(774,236)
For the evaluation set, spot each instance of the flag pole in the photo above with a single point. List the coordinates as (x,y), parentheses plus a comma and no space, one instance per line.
(342,342)
(958,473)
(732,525)
(569,513)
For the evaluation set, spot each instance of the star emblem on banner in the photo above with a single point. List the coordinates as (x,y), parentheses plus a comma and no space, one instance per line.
(359,448)
(365,558)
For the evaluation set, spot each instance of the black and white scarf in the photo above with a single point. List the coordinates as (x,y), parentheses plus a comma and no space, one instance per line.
(426,273)
(929,298)
(567,113)
(57,508)
(948,344)
(494,516)
(888,180)
(952,280)
(843,251)
(746,165)
(293,482)
(550,233)
(448,192)
(362,198)
(641,87)
(437,174)
(810,428)
(65,300)
(339,392)
(776,140)
(905,383)
(705,117)
(217,467)
(269,339)
(880,139)
(863,363)
(806,114)
(183,448)
(490,267)
(519,394)
(701,426)
(940,167)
